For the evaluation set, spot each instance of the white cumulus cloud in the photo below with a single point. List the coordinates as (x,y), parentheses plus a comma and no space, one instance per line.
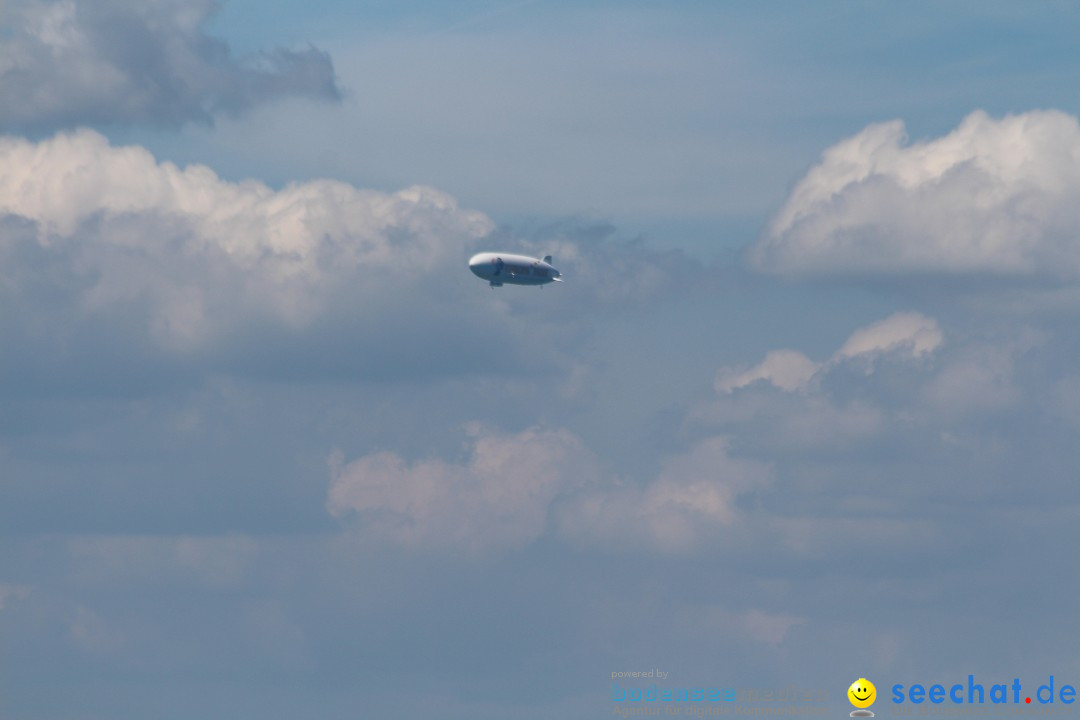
(499,497)
(178,259)
(785,369)
(908,333)
(905,334)
(995,195)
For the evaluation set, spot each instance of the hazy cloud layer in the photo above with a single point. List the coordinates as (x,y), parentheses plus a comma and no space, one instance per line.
(996,196)
(213,562)
(65,63)
(8,593)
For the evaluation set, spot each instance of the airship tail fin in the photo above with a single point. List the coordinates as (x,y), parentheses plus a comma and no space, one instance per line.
(547,259)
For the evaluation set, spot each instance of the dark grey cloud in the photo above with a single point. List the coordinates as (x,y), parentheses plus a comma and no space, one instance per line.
(68,63)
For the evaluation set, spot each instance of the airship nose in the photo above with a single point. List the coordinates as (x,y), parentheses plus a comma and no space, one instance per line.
(475,262)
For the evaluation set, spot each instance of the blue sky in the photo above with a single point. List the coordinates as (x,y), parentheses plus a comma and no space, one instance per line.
(803,411)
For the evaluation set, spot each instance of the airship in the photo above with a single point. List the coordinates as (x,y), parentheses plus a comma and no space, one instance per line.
(500,268)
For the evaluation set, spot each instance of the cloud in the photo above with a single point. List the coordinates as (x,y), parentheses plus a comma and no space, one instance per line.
(978,379)
(692,501)
(994,196)
(904,334)
(68,63)
(103,247)
(908,333)
(195,249)
(498,498)
(881,377)
(514,489)
(785,369)
(115,265)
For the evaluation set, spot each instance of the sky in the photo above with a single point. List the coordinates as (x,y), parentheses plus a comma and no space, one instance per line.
(804,410)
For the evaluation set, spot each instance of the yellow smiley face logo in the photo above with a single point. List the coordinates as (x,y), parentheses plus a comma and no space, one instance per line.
(862,693)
